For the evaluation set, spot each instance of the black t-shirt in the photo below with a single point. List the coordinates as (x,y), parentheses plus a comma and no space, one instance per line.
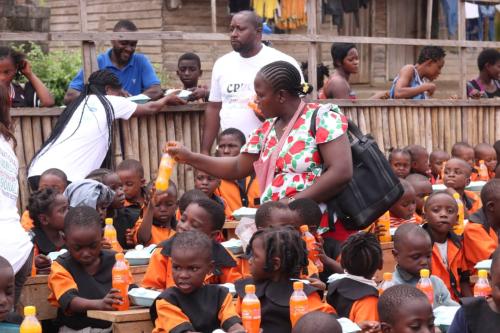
(24,96)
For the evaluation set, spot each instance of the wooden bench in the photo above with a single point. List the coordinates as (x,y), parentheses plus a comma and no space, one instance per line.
(230,229)
(136,320)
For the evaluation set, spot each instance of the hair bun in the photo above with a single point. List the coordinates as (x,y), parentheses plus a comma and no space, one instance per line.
(306,88)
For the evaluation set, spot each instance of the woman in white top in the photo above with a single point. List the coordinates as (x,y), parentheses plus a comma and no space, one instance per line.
(82,137)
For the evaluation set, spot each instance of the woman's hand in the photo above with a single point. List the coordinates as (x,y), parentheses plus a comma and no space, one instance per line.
(26,69)
(179,152)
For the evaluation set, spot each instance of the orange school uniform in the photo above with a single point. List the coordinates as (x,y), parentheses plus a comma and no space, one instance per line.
(480,240)
(26,221)
(159,272)
(237,194)
(41,245)
(159,232)
(472,202)
(204,310)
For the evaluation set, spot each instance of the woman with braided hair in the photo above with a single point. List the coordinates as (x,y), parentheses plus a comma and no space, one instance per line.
(82,137)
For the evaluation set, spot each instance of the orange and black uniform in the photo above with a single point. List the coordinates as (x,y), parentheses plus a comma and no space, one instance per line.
(239,193)
(27,221)
(159,272)
(204,310)
(41,245)
(68,279)
(480,240)
(472,202)
(274,300)
(456,270)
(159,231)
(354,300)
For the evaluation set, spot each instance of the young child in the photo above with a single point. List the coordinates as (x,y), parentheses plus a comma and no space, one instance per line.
(80,280)
(487,153)
(481,233)
(208,217)
(448,261)
(13,64)
(423,188)
(191,305)
(8,320)
(354,294)
(400,161)
(91,193)
(403,309)
(419,160)
(413,252)
(113,181)
(189,72)
(208,184)
(236,193)
(456,177)
(411,80)
(479,314)
(437,159)
(403,211)
(464,151)
(186,199)
(47,208)
(278,255)
(131,174)
(158,222)
(318,322)
(487,84)
(276,214)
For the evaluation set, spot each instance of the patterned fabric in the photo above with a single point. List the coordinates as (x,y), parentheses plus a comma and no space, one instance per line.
(299,162)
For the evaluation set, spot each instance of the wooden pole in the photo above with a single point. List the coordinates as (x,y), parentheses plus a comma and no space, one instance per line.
(88,47)
(213,7)
(428,21)
(312,29)
(461,37)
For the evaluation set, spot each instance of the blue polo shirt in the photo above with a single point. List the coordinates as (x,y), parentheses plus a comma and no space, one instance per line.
(137,76)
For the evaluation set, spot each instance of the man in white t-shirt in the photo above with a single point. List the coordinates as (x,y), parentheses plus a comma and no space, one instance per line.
(232,79)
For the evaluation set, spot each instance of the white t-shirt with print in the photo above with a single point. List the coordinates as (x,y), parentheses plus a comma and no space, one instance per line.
(15,244)
(232,84)
(83,144)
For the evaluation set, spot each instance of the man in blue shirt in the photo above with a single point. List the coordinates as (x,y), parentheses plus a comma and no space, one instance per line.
(134,70)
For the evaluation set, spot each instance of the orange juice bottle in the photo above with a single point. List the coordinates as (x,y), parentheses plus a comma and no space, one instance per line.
(425,285)
(30,323)
(386,283)
(250,310)
(167,164)
(483,171)
(385,220)
(459,227)
(482,287)
(298,302)
(311,247)
(442,172)
(110,235)
(120,280)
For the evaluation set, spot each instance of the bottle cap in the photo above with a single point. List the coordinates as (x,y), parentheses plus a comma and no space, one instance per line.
(424,273)
(29,310)
(483,274)
(304,228)
(108,221)
(298,285)
(387,276)
(250,289)
(456,195)
(119,256)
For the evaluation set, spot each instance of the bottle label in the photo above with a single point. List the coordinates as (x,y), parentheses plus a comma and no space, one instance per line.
(250,314)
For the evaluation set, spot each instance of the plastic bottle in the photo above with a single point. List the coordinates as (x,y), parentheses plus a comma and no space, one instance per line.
(483,171)
(385,221)
(442,171)
(250,310)
(311,247)
(30,323)
(120,281)
(425,285)
(386,283)
(459,227)
(482,287)
(298,302)
(110,235)
(167,164)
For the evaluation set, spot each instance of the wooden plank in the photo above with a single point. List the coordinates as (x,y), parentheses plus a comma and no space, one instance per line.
(213,11)
(144,326)
(428,19)
(312,29)
(144,147)
(138,314)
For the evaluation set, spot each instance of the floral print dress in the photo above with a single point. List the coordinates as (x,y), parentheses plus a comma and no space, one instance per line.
(299,163)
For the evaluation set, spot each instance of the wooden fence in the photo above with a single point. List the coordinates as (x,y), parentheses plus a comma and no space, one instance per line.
(434,124)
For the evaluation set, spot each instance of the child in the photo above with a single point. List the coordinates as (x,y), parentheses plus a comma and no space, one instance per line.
(208,217)
(208,184)
(479,314)
(448,262)
(410,82)
(423,188)
(8,320)
(354,294)
(275,214)
(91,193)
(189,72)
(400,161)
(437,159)
(13,64)
(487,84)
(190,305)
(318,322)
(242,192)
(456,177)
(158,222)
(464,151)
(487,153)
(80,280)
(403,211)
(131,174)
(186,199)
(277,256)
(481,233)
(113,181)
(404,309)
(47,208)
(413,252)
(419,159)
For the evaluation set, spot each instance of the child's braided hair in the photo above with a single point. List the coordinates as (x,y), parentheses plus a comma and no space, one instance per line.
(361,254)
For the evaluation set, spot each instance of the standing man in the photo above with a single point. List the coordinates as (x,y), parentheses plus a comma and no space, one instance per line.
(134,70)
(232,79)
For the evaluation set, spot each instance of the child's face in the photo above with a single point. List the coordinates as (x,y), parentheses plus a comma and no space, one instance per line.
(489,156)
(165,204)
(114,182)
(132,184)
(189,72)
(405,207)
(436,161)
(441,213)
(55,218)
(7,71)
(414,254)
(53,182)
(206,183)
(414,316)
(493,208)
(493,70)
(422,190)
(401,164)
(7,289)
(421,163)
(455,175)
(196,218)
(433,68)
(281,218)
(351,61)
(466,154)
(189,268)
(257,261)
(84,244)
(228,146)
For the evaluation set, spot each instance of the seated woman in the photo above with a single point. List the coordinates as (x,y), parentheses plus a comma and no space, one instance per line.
(487,84)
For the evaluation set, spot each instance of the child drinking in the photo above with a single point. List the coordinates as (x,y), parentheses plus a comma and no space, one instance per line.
(436,162)
(456,177)
(419,159)
(400,161)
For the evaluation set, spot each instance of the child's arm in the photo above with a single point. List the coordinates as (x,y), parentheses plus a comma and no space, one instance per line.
(328,262)
(81,305)
(42,92)
(228,317)
(156,276)
(402,90)
(144,231)
(155,106)
(171,317)
(42,264)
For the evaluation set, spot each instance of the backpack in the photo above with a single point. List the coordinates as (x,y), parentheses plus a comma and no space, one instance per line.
(373,189)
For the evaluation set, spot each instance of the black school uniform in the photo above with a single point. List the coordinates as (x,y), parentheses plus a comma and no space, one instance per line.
(23,96)
(125,218)
(475,316)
